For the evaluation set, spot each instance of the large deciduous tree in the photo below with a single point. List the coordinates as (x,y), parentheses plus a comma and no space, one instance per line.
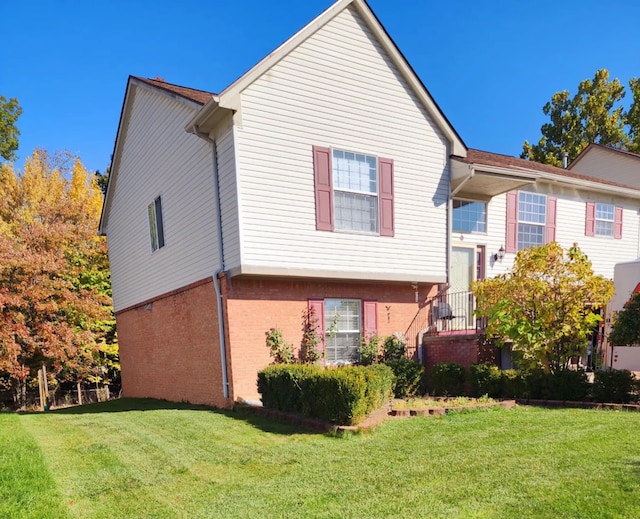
(9,112)
(54,281)
(595,114)
(545,306)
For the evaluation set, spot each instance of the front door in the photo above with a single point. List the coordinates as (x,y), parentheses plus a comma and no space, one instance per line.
(462,274)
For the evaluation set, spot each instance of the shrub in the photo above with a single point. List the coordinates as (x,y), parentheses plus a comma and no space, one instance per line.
(408,377)
(393,348)
(280,386)
(280,351)
(380,384)
(485,379)
(512,384)
(310,347)
(370,350)
(562,385)
(447,379)
(617,386)
(341,395)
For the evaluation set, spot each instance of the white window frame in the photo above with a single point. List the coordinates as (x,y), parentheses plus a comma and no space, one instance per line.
(524,221)
(466,201)
(339,188)
(335,337)
(156,224)
(608,223)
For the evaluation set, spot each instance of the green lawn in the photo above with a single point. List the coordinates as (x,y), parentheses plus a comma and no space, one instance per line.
(146,458)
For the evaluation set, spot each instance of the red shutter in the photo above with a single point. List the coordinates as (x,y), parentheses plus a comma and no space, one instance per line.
(590,220)
(512,222)
(370,318)
(386,197)
(323,188)
(552,203)
(617,226)
(317,307)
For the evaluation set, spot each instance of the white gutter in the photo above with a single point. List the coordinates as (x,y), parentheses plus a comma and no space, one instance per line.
(216,280)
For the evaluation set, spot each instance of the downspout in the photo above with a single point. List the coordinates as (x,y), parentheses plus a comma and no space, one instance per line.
(216,280)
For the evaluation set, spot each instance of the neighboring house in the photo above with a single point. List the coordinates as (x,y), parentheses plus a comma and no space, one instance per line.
(609,163)
(326,178)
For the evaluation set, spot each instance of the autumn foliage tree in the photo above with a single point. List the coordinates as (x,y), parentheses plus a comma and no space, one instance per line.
(545,306)
(54,284)
(594,114)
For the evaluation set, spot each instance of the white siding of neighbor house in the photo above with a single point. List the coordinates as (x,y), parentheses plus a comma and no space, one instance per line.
(160,159)
(610,165)
(604,252)
(339,89)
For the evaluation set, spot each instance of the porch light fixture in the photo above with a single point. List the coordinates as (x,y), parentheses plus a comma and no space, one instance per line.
(499,256)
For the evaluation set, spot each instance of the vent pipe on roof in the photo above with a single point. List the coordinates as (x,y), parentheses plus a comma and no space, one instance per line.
(565,157)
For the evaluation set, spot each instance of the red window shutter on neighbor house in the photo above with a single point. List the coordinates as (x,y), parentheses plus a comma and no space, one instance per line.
(552,203)
(590,220)
(511,239)
(317,307)
(323,187)
(386,197)
(617,226)
(370,312)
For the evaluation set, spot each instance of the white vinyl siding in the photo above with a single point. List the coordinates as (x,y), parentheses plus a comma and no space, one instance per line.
(160,157)
(570,225)
(611,166)
(338,89)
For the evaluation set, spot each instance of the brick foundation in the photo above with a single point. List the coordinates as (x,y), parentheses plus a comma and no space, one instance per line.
(169,347)
(253,306)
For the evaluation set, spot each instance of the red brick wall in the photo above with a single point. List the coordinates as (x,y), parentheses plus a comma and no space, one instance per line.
(172,351)
(253,306)
(461,349)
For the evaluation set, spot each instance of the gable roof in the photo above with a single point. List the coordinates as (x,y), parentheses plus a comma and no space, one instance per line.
(602,147)
(194,98)
(528,171)
(229,98)
(197,96)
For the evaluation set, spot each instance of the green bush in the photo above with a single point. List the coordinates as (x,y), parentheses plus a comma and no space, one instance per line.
(617,386)
(380,384)
(447,379)
(369,350)
(562,385)
(341,395)
(393,348)
(408,377)
(485,379)
(280,387)
(512,384)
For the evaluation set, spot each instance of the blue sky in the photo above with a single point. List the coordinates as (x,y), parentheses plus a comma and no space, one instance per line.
(490,65)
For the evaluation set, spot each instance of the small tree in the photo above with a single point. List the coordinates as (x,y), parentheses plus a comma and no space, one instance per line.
(545,306)
(280,350)
(626,327)
(312,338)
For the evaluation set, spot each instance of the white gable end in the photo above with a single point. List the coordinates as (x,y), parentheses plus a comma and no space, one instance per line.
(338,88)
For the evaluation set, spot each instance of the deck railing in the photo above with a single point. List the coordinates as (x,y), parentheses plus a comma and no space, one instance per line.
(445,313)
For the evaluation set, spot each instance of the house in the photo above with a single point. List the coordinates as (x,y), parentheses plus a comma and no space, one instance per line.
(324,179)
(609,164)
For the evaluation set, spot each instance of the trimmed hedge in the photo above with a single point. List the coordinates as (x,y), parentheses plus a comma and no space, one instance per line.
(342,395)
(409,375)
(447,379)
(617,386)
(563,385)
(485,379)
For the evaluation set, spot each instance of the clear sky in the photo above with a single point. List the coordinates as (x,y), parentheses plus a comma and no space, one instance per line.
(490,65)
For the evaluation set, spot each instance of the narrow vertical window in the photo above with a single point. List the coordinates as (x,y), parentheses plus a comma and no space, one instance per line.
(156,226)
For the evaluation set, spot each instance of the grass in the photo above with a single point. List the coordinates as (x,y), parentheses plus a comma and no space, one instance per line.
(147,458)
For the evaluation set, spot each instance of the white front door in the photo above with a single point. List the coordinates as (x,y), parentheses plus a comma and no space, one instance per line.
(462,274)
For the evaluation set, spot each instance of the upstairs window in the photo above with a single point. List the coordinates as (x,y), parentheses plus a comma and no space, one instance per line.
(603,220)
(469,216)
(532,209)
(353,191)
(156,226)
(531,220)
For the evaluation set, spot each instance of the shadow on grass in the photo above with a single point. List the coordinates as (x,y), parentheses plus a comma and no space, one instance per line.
(124,405)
